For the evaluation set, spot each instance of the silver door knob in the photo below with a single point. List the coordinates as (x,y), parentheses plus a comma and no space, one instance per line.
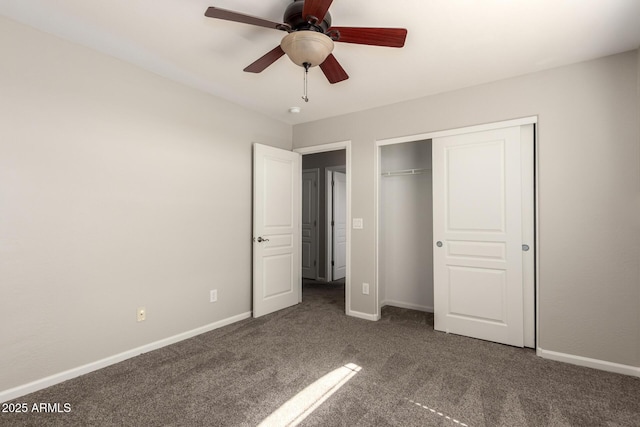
(439,244)
(260,240)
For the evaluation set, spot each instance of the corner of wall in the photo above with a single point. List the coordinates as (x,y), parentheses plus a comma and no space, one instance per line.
(638,197)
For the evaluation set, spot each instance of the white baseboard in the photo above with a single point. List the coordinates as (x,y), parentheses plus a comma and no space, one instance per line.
(590,363)
(407,305)
(36,385)
(365,316)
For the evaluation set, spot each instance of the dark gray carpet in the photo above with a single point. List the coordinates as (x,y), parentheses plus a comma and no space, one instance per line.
(409,376)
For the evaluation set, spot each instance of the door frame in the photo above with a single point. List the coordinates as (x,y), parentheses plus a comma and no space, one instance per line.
(316,218)
(335,146)
(329,214)
(532,120)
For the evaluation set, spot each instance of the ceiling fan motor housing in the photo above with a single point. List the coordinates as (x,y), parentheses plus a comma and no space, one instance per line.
(293,17)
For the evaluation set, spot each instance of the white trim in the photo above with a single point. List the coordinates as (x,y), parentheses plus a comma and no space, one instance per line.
(602,365)
(410,306)
(334,146)
(49,381)
(528,234)
(365,316)
(459,131)
(328,200)
(298,243)
(376,214)
(536,234)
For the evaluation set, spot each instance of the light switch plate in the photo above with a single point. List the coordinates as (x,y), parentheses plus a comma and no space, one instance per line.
(141,314)
(358,223)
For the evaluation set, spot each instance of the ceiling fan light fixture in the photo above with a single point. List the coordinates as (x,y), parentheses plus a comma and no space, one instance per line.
(307,47)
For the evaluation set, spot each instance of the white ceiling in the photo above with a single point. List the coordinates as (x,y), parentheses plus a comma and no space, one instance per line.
(451,44)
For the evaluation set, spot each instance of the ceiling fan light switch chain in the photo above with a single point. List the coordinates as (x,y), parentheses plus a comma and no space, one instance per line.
(306,66)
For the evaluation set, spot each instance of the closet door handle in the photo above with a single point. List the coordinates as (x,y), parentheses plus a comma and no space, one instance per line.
(439,244)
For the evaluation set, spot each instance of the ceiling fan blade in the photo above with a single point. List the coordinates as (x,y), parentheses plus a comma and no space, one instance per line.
(316,8)
(266,60)
(228,15)
(333,70)
(390,37)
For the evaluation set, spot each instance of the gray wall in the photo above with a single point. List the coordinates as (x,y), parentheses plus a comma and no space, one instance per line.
(589,185)
(323,161)
(118,189)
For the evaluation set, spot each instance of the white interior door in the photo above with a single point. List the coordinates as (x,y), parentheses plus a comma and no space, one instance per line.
(276,229)
(310,223)
(339,225)
(477,227)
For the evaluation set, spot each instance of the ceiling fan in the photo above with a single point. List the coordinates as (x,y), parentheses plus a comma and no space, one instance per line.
(310,37)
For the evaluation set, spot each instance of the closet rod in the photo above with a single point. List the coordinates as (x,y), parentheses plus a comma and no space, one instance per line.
(404,172)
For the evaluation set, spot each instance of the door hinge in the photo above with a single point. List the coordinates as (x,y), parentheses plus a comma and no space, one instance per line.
(333,223)
(332,183)
(332,263)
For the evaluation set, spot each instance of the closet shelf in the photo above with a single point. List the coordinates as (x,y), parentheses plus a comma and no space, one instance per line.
(404,172)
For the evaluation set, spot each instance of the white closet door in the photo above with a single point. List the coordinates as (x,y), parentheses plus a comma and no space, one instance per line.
(477,229)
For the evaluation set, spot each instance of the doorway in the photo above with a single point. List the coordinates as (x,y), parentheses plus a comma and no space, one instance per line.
(332,212)
(324,215)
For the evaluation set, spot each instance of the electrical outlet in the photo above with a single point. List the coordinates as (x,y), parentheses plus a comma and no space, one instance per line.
(213,295)
(141,314)
(365,288)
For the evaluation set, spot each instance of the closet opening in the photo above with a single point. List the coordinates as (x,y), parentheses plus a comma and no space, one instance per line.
(456,232)
(405,244)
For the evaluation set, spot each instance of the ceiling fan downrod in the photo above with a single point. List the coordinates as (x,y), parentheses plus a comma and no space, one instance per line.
(306,66)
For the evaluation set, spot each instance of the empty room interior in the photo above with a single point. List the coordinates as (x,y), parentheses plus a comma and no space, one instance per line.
(416,215)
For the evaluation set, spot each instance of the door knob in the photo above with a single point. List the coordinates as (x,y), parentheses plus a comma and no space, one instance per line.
(439,244)
(260,240)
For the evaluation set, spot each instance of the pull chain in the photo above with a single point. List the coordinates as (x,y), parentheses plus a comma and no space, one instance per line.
(306,66)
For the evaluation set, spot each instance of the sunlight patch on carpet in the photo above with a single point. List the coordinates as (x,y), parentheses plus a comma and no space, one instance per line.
(304,403)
